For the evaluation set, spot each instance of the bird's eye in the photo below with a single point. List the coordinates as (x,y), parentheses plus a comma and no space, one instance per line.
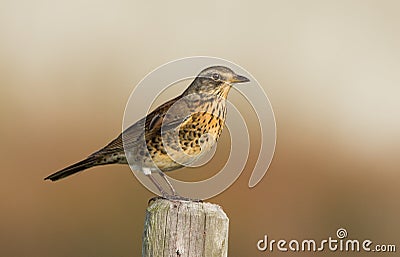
(215,76)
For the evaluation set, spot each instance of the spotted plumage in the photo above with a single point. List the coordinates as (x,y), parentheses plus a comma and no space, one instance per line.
(174,135)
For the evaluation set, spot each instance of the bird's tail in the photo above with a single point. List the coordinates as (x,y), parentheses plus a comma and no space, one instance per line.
(87,163)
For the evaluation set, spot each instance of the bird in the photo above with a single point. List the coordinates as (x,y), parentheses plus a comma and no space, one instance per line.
(173,135)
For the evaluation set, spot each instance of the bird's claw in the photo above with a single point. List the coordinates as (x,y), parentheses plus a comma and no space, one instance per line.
(173,198)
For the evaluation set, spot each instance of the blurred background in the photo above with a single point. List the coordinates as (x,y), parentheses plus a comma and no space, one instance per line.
(329,68)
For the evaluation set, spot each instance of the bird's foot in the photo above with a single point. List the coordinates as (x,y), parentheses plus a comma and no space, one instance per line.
(174,198)
(181,198)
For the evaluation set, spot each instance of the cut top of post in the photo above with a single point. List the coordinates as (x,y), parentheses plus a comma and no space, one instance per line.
(185,228)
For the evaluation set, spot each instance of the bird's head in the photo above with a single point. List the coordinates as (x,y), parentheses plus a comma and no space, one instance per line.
(215,80)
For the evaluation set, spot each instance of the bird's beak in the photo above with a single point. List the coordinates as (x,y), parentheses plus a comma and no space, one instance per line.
(239,79)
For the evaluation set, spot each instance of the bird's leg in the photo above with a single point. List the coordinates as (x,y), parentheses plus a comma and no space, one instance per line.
(174,195)
(159,187)
(168,183)
(164,194)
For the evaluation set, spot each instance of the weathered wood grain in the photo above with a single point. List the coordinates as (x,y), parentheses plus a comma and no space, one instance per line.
(185,229)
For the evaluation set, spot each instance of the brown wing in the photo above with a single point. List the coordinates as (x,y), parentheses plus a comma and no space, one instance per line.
(152,122)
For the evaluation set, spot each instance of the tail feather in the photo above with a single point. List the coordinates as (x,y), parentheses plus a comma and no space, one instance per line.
(74,168)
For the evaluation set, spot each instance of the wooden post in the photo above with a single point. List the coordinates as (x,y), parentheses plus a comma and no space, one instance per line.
(185,229)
